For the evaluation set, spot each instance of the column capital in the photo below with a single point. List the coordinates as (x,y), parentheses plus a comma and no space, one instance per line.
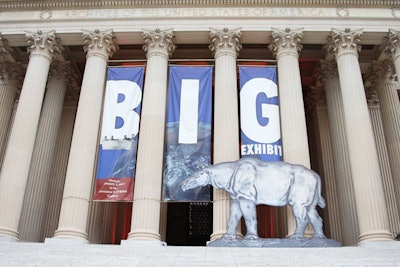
(159,42)
(327,70)
(225,42)
(372,98)
(287,41)
(99,43)
(342,42)
(61,71)
(5,49)
(381,71)
(392,44)
(43,43)
(11,72)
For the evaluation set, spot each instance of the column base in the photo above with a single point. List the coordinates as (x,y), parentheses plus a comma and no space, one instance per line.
(8,234)
(216,235)
(144,234)
(70,233)
(375,236)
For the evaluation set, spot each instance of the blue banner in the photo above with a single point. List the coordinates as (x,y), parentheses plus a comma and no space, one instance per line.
(118,142)
(259,113)
(188,130)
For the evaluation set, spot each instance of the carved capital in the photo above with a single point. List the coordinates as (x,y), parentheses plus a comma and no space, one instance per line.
(160,42)
(43,43)
(225,41)
(100,43)
(344,41)
(12,73)
(372,98)
(286,41)
(380,72)
(327,70)
(5,49)
(392,44)
(62,71)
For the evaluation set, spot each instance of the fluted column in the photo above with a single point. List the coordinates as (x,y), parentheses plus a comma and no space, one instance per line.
(225,46)
(344,184)
(33,209)
(392,48)
(286,44)
(10,77)
(326,163)
(381,76)
(78,182)
(15,170)
(372,214)
(149,165)
(58,170)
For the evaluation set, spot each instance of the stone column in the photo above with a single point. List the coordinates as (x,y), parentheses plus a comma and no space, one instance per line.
(285,45)
(225,46)
(346,201)
(372,214)
(326,163)
(79,178)
(149,165)
(42,47)
(33,209)
(392,48)
(59,168)
(10,78)
(386,124)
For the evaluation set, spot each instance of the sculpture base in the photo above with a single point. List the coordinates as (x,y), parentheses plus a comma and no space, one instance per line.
(275,242)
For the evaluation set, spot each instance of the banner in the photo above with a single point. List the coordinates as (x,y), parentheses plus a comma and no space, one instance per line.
(119,133)
(259,113)
(188,130)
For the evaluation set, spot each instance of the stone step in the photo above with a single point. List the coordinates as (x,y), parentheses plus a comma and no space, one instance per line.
(133,253)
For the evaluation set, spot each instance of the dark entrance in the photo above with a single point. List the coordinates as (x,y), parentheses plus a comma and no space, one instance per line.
(189,224)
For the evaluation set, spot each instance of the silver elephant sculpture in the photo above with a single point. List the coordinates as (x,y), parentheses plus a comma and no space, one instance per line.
(250,181)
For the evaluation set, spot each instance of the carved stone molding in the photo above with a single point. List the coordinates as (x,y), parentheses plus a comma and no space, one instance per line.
(160,42)
(100,43)
(327,70)
(380,71)
(76,4)
(13,73)
(225,41)
(286,41)
(43,43)
(345,41)
(4,49)
(392,44)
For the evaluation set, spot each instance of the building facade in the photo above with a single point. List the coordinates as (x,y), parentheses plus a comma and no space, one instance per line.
(337,65)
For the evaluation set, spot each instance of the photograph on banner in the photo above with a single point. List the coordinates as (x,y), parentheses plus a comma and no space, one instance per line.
(259,113)
(188,130)
(119,134)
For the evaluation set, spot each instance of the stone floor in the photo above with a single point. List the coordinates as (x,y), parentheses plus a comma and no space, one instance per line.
(130,253)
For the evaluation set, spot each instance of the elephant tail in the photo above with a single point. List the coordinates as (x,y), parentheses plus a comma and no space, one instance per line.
(321,200)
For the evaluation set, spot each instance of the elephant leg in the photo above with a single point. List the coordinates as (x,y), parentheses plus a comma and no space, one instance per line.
(248,208)
(316,222)
(300,214)
(234,217)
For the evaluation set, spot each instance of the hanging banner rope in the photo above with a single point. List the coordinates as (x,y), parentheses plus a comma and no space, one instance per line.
(119,133)
(259,113)
(188,130)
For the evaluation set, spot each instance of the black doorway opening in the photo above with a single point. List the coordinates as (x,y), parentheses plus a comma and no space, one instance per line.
(189,224)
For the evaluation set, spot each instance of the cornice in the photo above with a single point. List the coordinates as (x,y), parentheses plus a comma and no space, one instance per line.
(81,4)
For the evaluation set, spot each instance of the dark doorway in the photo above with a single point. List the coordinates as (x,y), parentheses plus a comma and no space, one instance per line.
(189,224)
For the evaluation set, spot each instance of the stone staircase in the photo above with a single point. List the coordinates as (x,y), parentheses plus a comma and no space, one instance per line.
(143,253)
